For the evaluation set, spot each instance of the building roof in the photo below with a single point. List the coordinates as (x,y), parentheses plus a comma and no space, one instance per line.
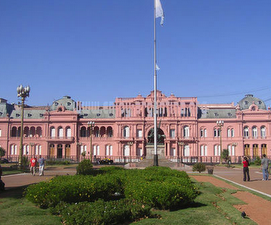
(248,100)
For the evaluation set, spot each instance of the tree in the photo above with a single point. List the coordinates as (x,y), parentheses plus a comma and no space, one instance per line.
(225,155)
(2,152)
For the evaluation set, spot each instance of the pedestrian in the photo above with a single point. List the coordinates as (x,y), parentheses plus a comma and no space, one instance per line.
(0,171)
(2,184)
(41,166)
(33,165)
(245,169)
(264,167)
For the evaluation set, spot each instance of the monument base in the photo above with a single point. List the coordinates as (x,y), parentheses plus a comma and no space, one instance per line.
(150,151)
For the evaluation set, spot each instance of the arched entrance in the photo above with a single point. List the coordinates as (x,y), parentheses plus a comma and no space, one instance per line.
(160,136)
(59,151)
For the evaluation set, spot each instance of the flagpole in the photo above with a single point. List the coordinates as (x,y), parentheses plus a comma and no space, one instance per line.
(155,163)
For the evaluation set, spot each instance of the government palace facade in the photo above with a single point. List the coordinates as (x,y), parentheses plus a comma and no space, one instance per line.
(189,132)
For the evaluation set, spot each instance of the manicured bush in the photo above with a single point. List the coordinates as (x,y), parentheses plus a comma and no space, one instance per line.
(200,167)
(74,189)
(124,194)
(257,161)
(85,167)
(101,212)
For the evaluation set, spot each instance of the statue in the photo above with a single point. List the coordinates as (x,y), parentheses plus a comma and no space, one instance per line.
(160,136)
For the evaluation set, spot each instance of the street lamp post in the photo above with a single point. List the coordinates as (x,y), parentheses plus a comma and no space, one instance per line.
(22,92)
(220,124)
(90,125)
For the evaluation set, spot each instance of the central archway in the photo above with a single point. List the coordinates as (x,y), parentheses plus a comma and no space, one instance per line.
(160,136)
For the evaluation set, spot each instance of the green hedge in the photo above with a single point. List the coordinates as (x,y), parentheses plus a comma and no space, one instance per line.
(101,212)
(131,193)
(73,189)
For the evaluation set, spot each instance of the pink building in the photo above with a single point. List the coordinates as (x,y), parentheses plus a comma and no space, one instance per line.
(187,131)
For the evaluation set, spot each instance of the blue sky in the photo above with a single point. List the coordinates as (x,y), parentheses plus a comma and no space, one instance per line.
(97,50)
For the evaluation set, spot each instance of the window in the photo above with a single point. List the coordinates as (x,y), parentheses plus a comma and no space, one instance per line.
(68,132)
(108,150)
(246,132)
(203,132)
(172,133)
(254,132)
(13,150)
(186,131)
(60,132)
(126,150)
(0,133)
(216,132)
(217,150)
(96,150)
(232,132)
(172,152)
(186,150)
(83,149)
(126,132)
(139,133)
(53,132)
(203,150)
(263,132)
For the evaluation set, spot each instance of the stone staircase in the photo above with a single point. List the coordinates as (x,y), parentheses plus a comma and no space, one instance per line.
(161,162)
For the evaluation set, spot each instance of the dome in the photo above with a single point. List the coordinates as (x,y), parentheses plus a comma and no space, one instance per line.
(248,100)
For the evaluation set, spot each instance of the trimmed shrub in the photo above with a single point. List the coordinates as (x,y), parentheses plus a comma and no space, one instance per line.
(257,161)
(74,189)
(200,167)
(101,212)
(85,167)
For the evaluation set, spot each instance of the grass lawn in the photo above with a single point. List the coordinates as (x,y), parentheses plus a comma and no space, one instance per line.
(213,206)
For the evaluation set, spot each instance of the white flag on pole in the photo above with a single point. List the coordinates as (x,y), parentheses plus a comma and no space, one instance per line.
(157,67)
(159,11)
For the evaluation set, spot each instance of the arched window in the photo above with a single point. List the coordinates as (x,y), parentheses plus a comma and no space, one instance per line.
(26,132)
(102,131)
(96,150)
(254,132)
(39,132)
(232,132)
(126,132)
(263,132)
(13,132)
(229,132)
(32,132)
(108,150)
(203,150)
(246,132)
(60,132)
(217,150)
(52,132)
(68,132)
(13,150)
(126,150)
(216,132)
(83,132)
(186,131)
(109,132)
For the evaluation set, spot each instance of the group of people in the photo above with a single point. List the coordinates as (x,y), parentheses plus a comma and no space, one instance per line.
(33,165)
(264,167)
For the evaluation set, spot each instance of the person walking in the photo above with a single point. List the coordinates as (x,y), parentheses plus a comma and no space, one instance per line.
(41,166)
(245,169)
(33,164)
(264,167)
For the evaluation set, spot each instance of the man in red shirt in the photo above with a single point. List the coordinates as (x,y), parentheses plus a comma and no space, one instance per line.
(33,164)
